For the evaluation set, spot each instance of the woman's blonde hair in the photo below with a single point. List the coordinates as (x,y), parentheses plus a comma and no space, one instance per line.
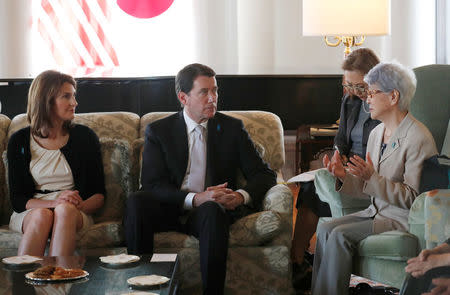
(41,99)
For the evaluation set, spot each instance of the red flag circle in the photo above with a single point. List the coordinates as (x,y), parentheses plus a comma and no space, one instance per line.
(144,8)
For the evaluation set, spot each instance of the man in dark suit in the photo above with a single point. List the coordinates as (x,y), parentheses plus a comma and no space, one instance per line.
(189,170)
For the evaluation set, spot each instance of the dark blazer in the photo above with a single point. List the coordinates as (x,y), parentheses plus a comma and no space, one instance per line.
(229,149)
(349,116)
(82,153)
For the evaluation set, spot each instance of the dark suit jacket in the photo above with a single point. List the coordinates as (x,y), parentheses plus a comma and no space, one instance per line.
(349,116)
(229,149)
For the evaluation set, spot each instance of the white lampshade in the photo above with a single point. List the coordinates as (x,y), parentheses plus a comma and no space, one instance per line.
(346,17)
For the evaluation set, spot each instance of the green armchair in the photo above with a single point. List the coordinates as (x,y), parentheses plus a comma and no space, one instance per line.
(382,257)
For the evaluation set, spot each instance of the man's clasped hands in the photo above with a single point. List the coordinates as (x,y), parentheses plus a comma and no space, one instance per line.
(228,198)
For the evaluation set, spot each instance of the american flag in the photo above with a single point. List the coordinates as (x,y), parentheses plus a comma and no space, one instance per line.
(76,33)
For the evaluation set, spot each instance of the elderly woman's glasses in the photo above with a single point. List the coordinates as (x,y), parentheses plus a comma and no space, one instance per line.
(355,88)
(372,92)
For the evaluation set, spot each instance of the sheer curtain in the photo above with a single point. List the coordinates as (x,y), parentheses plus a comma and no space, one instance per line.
(232,36)
(442,31)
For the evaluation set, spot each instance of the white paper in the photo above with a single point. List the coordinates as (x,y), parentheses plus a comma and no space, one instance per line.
(162,257)
(304,177)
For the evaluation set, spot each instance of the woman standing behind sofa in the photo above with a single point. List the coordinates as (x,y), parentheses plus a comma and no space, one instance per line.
(353,133)
(55,170)
(389,176)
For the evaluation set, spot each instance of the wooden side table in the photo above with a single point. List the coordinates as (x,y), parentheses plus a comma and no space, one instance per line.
(307,146)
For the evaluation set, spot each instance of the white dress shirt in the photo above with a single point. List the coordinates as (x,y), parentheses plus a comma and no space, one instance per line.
(190,126)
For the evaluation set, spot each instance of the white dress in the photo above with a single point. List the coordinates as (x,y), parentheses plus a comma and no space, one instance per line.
(50,172)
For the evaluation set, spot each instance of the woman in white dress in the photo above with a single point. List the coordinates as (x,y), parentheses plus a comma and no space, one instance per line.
(55,168)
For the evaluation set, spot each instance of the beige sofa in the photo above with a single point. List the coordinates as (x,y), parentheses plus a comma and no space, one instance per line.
(258,260)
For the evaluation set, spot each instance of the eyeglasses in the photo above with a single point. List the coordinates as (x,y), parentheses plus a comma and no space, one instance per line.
(372,92)
(355,88)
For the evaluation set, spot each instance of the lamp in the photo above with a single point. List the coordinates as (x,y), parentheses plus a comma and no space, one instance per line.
(347,21)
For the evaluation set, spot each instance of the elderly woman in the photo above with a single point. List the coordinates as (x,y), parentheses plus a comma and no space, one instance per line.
(389,176)
(55,168)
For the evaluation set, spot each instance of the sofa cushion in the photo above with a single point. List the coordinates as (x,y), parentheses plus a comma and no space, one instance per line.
(17,123)
(5,208)
(251,230)
(118,125)
(265,129)
(250,270)
(9,238)
(137,148)
(167,240)
(116,157)
(391,245)
(101,235)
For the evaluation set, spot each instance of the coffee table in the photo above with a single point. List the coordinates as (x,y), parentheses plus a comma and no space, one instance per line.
(102,279)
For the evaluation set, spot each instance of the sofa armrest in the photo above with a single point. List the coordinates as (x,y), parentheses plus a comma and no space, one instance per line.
(278,198)
(255,229)
(340,204)
(429,217)
(416,219)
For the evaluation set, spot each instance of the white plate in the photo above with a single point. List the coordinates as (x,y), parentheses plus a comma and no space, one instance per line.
(149,280)
(31,276)
(119,259)
(20,260)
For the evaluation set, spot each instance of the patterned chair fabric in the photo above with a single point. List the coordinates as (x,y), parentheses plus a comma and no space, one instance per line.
(5,206)
(116,125)
(429,218)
